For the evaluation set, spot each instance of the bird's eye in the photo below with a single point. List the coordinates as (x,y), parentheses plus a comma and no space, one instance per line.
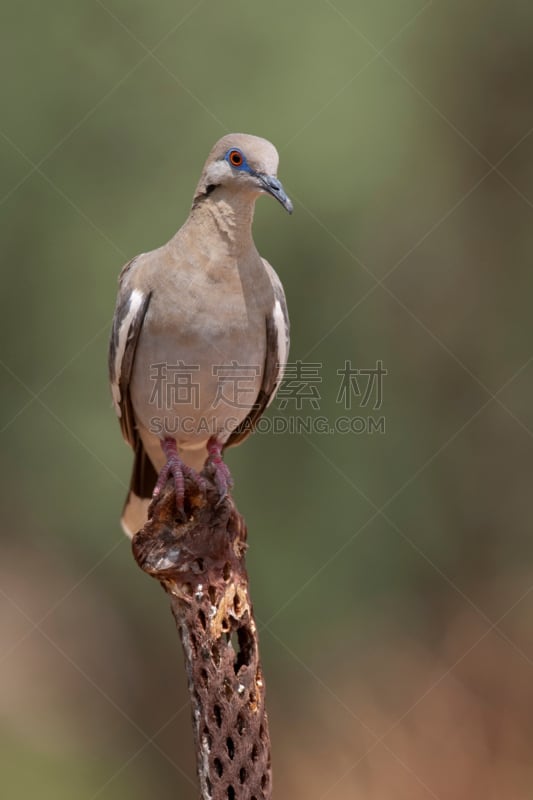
(235,158)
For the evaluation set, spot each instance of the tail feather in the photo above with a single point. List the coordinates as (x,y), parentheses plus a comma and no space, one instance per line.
(143,480)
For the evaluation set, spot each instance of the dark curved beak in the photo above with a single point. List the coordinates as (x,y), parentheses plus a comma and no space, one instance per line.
(274,187)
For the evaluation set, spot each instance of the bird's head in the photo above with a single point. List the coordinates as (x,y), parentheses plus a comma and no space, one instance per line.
(243,164)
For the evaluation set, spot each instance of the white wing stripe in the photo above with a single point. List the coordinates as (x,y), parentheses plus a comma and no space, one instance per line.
(281,330)
(135,303)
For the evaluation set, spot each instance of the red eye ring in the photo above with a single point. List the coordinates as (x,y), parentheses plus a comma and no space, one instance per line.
(235,158)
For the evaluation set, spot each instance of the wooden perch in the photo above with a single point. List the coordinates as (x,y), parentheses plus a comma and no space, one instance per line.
(200,564)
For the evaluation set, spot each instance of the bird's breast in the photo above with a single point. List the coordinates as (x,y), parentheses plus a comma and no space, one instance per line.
(202,350)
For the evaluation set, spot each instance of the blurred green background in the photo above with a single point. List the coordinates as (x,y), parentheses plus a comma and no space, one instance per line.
(391,572)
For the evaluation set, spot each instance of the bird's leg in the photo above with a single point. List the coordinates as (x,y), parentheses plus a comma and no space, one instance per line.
(221,474)
(178,470)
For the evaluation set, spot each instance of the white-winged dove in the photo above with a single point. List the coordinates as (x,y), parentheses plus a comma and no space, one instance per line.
(200,334)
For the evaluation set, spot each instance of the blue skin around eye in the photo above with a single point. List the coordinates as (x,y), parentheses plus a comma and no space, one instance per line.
(243,166)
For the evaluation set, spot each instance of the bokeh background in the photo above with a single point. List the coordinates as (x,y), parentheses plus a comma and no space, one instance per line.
(391,572)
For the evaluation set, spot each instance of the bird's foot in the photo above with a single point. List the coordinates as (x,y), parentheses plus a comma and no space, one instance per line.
(179,471)
(217,469)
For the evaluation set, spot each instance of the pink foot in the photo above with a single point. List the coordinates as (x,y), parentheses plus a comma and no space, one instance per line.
(222,476)
(179,471)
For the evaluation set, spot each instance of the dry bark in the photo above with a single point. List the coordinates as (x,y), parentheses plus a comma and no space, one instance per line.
(200,562)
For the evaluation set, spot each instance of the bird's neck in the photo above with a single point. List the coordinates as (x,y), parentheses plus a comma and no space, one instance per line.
(227,216)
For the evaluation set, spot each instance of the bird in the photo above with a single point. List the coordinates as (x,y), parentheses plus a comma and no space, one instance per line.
(200,334)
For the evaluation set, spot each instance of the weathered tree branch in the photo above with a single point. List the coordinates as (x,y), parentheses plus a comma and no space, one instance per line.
(200,564)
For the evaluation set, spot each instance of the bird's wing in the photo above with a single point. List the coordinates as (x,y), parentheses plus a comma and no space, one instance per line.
(282,326)
(132,304)
(277,331)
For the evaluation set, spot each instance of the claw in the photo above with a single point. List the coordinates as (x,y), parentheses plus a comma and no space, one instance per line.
(221,474)
(179,471)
